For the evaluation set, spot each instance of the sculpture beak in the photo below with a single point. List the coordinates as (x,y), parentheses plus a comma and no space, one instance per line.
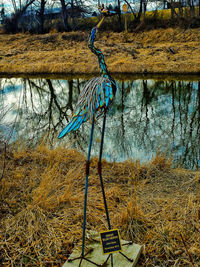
(111,13)
(105,12)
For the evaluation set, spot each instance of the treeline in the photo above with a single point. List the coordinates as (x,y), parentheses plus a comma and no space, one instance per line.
(41,16)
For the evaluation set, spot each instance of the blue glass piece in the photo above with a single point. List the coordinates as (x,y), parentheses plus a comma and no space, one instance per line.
(99,97)
(76,112)
(74,125)
(83,112)
(99,90)
(85,118)
(78,124)
(107,89)
(65,130)
(93,34)
(107,101)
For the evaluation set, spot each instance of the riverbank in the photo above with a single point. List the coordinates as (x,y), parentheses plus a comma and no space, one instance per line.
(164,51)
(41,206)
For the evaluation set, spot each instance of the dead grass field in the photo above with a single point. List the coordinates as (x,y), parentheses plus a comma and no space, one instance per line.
(41,207)
(156,51)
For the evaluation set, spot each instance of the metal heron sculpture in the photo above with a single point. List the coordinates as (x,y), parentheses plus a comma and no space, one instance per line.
(98,93)
(93,102)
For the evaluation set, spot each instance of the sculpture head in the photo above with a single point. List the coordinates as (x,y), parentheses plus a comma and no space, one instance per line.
(105,11)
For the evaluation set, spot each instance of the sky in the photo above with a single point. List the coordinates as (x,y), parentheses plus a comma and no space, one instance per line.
(7,4)
(9,7)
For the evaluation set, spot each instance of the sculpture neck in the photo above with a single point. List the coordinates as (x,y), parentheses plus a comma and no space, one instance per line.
(97,51)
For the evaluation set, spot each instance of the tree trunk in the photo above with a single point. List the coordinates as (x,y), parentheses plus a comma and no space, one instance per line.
(140,11)
(180,9)
(191,5)
(192,8)
(72,13)
(64,15)
(119,14)
(41,16)
(172,10)
(144,7)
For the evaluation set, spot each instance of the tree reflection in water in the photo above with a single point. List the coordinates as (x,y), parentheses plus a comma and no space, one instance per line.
(146,116)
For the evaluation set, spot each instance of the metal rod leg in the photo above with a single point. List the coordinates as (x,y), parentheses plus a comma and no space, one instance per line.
(86,186)
(129,259)
(111,260)
(100,173)
(101,179)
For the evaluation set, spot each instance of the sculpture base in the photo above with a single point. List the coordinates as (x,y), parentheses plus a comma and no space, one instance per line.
(132,251)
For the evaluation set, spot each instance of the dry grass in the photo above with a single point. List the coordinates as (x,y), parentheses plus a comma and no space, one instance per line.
(155,51)
(41,206)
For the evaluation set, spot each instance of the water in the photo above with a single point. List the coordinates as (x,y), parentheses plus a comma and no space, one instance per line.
(146,116)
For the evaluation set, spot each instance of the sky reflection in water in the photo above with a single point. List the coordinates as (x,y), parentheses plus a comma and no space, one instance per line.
(146,116)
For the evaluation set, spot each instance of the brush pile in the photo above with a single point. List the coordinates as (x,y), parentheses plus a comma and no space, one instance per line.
(41,207)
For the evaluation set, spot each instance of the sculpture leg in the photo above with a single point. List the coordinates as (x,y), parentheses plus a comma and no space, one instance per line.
(101,179)
(85,203)
(100,173)
(103,191)
(86,186)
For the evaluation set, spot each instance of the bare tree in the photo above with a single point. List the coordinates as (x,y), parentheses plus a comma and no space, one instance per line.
(191,5)
(11,24)
(142,5)
(41,16)
(2,13)
(64,15)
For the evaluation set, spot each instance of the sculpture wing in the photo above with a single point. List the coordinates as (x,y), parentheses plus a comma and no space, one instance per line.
(94,99)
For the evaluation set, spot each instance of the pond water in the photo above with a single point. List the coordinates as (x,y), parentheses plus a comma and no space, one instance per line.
(147,115)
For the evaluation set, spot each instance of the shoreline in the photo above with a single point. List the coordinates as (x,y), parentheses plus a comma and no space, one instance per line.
(120,76)
(156,52)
